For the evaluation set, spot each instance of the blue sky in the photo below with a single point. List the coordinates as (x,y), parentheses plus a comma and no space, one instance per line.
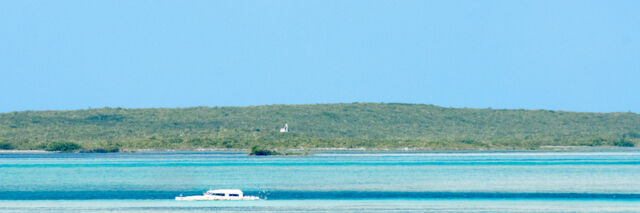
(562,55)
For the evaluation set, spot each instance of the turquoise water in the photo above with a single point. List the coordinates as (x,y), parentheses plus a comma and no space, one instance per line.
(456,182)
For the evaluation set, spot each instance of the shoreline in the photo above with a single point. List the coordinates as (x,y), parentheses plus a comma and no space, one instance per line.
(17,151)
(362,150)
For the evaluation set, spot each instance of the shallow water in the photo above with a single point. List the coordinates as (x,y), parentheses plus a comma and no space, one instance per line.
(456,182)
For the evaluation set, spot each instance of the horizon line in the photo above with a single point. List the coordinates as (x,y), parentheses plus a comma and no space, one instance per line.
(334,103)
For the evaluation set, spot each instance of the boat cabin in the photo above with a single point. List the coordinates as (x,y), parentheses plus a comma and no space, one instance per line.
(225,193)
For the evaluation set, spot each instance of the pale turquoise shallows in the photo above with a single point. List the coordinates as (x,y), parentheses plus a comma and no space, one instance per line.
(472,182)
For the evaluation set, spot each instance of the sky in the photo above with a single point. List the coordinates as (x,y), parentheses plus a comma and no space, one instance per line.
(573,55)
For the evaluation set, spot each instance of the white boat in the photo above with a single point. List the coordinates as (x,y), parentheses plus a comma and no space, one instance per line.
(220,194)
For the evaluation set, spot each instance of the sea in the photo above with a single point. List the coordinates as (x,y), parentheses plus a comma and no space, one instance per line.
(324,182)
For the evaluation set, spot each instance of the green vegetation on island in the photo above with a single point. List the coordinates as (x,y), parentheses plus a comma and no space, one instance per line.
(356,125)
(255,150)
(62,146)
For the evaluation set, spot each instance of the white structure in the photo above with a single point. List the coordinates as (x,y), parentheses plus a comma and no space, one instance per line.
(285,129)
(220,194)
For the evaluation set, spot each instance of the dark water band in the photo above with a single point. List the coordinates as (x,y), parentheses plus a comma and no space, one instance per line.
(301,195)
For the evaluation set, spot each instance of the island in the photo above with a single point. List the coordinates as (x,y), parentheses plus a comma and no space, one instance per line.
(370,126)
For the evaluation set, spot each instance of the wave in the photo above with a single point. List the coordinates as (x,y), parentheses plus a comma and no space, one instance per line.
(302,195)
